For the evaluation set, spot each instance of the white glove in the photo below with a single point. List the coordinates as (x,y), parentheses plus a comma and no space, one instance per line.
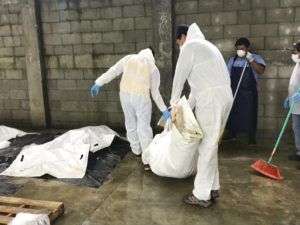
(249,57)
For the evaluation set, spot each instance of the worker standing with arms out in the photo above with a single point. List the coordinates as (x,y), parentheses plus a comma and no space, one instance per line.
(140,78)
(203,66)
(294,98)
(243,116)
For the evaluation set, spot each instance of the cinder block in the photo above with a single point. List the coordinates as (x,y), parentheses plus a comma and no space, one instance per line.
(200,19)
(143,23)
(297,14)
(12,41)
(12,104)
(289,29)
(16,30)
(149,36)
(69,39)
(135,36)
(210,6)
(63,50)
(102,25)
(113,37)
(7,62)
(142,45)
(66,85)
(289,3)
(103,48)
(84,61)
(14,7)
(111,12)
(52,39)
(46,28)
(285,71)
(5,30)
(18,94)
(125,48)
(237,31)
(66,61)
(82,26)
(84,84)
(148,10)
(20,62)
(55,74)
(271,71)
(89,14)
(25,105)
(91,74)
(123,24)
(61,27)
(264,30)
(69,106)
(52,62)
(49,50)
(180,19)
(226,45)
(106,61)
(20,115)
(237,5)
(100,4)
(265,3)
(14,74)
(278,43)
(83,49)
(52,84)
(257,16)
(6,51)
(224,18)
(91,38)
(134,11)
(122,2)
(73,74)
(280,15)
(213,32)
(69,15)
(186,7)
(257,43)
(50,16)
(57,5)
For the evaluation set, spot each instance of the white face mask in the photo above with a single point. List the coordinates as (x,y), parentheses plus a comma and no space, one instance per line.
(295,58)
(241,53)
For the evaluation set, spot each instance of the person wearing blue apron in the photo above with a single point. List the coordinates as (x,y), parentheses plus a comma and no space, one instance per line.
(243,116)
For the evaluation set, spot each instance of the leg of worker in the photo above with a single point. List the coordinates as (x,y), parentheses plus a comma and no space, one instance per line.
(131,123)
(210,118)
(296,129)
(144,111)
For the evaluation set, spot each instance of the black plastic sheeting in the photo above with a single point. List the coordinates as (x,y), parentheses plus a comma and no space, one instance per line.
(100,163)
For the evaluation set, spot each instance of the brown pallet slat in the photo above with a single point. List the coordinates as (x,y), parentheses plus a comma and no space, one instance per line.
(11,206)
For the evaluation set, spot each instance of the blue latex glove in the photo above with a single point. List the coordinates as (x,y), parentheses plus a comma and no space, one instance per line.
(295,98)
(286,103)
(95,89)
(166,115)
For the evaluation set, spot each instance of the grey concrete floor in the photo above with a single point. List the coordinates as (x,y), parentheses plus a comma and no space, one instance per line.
(133,196)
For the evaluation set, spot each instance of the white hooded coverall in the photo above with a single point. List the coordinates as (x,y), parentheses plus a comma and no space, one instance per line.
(203,66)
(140,77)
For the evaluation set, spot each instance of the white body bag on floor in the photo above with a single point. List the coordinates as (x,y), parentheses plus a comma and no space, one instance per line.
(7,133)
(174,152)
(64,157)
(30,219)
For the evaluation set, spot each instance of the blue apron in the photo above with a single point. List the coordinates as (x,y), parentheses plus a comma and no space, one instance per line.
(243,115)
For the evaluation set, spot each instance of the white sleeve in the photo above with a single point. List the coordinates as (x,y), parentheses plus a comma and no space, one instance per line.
(182,72)
(192,101)
(115,71)
(155,83)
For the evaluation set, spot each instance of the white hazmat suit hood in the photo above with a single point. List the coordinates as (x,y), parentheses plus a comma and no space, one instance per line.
(203,66)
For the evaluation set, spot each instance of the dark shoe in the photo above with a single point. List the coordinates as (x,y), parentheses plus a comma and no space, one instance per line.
(294,157)
(192,200)
(214,194)
(147,167)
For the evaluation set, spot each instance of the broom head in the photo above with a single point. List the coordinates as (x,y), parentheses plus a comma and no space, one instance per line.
(267,169)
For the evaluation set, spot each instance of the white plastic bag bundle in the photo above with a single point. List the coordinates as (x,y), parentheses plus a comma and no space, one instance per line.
(173,153)
(30,219)
(7,133)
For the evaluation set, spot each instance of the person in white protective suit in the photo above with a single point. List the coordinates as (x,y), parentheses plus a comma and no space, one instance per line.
(140,78)
(203,66)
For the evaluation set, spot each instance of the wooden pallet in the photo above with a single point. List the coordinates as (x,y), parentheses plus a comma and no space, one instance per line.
(10,206)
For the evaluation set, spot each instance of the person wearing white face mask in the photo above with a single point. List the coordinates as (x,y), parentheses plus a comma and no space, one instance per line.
(243,116)
(294,98)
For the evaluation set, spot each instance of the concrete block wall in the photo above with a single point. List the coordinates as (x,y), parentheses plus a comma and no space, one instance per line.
(271,26)
(82,39)
(14,104)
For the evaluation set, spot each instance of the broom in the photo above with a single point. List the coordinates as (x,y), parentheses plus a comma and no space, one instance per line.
(266,168)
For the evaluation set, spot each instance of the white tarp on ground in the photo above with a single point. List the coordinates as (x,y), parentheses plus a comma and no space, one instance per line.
(30,219)
(64,157)
(7,133)
(173,153)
